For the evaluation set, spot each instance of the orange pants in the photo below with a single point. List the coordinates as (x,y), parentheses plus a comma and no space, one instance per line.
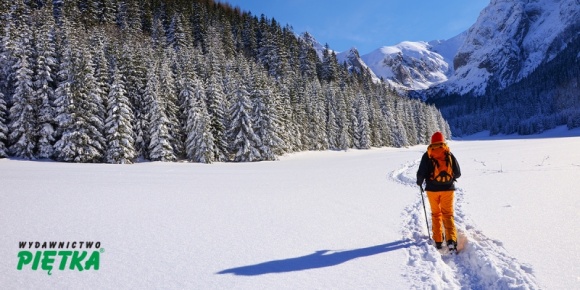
(442,214)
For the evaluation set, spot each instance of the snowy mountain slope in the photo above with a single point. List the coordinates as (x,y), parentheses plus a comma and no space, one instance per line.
(448,49)
(510,39)
(414,65)
(270,225)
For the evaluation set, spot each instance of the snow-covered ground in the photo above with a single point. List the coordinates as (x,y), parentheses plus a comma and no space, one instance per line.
(313,220)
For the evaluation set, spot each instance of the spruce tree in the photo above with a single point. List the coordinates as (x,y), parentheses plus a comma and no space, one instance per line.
(118,124)
(44,82)
(179,34)
(157,125)
(216,100)
(342,120)
(79,106)
(362,134)
(168,97)
(23,113)
(158,35)
(316,136)
(245,146)
(263,117)
(332,126)
(199,141)
(217,112)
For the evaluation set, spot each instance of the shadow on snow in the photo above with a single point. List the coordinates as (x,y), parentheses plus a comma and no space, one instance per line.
(318,259)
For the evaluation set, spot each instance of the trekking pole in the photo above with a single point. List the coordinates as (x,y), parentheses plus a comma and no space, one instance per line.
(426,220)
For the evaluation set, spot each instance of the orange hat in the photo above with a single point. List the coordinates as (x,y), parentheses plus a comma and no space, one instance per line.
(437,138)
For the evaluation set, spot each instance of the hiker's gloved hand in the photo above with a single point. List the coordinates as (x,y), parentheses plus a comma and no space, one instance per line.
(420,182)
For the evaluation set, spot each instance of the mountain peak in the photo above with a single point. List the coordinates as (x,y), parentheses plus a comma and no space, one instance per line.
(412,65)
(510,39)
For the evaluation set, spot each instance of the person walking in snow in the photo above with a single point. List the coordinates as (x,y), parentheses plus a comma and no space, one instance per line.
(439,170)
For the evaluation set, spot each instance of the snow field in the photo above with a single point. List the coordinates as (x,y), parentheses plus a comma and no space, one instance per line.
(313,220)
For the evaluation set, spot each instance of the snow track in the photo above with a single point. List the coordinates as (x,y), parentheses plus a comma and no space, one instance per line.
(482,264)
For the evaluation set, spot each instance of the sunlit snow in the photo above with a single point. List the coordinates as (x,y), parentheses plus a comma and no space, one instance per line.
(313,220)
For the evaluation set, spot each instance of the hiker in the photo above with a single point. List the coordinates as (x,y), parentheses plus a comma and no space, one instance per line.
(439,169)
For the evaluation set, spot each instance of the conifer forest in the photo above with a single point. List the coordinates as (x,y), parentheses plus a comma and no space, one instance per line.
(119,81)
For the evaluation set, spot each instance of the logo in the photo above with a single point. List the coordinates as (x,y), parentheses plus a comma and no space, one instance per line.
(78,256)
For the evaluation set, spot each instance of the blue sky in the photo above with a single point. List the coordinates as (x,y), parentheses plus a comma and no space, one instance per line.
(369,24)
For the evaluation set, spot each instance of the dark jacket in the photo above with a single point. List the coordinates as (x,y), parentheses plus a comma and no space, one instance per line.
(425,169)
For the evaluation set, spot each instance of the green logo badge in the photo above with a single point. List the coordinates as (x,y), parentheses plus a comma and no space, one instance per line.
(83,256)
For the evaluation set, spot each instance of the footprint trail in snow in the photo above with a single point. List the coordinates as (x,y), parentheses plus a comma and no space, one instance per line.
(482,264)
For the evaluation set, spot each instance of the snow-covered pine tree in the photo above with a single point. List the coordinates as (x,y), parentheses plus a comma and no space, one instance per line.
(410,119)
(200,19)
(217,112)
(227,40)
(158,145)
(263,115)
(422,120)
(268,50)
(332,127)
(245,141)
(134,20)
(307,58)
(79,106)
(199,142)
(179,33)
(329,68)
(386,106)
(99,49)
(229,82)
(361,127)
(90,97)
(184,71)
(168,97)
(132,66)
(379,123)
(316,111)
(23,113)
(215,97)
(342,120)
(399,130)
(62,93)
(277,120)
(286,126)
(248,36)
(118,124)
(44,82)
(299,121)
(158,35)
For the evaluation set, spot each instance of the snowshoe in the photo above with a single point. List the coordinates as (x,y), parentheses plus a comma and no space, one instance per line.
(452,245)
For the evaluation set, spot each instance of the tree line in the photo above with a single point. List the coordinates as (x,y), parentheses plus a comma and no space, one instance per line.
(122,80)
